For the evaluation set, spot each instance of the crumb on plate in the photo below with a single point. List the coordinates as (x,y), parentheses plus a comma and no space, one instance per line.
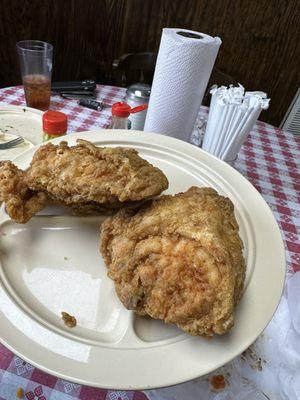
(68,319)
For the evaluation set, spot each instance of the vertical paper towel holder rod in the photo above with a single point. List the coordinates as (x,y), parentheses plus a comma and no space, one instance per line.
(190,35)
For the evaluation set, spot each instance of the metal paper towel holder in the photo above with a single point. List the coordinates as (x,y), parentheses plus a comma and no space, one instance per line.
(191,35)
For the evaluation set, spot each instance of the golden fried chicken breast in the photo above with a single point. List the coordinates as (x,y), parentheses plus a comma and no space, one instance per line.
(20,201)
(84,177)
(86,173)
(179,259)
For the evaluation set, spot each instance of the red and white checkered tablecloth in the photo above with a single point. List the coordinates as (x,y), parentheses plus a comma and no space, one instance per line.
(269,159)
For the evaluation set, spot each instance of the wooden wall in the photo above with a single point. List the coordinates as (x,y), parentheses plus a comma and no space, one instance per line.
(260,38)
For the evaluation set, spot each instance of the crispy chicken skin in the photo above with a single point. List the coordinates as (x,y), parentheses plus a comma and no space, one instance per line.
(20,201)
(86,173)
(179,259)
(85,177)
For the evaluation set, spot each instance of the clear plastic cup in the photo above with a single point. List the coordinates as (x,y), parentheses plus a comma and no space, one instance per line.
(36,68)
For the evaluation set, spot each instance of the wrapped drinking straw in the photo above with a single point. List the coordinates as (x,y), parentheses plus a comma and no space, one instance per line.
(233,113)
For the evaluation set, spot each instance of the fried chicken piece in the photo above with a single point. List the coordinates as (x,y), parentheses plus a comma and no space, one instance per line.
(89,177)
(85,177)
(20,201)
(179,259)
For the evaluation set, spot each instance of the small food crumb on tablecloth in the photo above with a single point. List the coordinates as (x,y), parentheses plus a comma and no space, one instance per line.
(218,382)
(20,393)
(253,359)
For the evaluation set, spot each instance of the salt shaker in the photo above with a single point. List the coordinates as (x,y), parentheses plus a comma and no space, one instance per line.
(138,94)
(120,113)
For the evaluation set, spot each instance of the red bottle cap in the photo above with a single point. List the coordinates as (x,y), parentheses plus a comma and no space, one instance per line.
(121,110)
(55,122)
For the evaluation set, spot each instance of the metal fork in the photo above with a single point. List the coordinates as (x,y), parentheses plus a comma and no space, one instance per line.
(11,143)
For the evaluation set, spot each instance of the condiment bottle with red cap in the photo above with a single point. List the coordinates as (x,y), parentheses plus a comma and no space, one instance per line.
(55,124)
(120,113)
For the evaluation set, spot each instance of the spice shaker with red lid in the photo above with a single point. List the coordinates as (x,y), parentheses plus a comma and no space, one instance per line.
(55,124)
(120,113)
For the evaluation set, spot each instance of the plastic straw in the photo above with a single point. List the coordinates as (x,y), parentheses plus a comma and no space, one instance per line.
(235,147)
(225,128)
(233,112)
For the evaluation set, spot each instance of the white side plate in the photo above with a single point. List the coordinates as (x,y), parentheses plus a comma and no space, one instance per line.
(20,121)
(52,264)
(23,121)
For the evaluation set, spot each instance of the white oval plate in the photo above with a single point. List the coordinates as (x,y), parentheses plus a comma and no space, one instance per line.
(52,264)
(10,154)
(23,121)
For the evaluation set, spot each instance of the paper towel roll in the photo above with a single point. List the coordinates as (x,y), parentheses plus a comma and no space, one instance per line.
(184,64)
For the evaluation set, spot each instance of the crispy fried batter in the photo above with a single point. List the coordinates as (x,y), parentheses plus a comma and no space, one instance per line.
(86,173)
(21,202)
(179,259)
(85,177)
